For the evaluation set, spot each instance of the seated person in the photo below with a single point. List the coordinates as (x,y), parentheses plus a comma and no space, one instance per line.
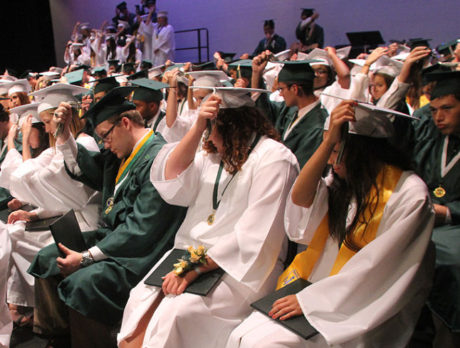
(138,226)
(240,225)
(367,226)
(272,42)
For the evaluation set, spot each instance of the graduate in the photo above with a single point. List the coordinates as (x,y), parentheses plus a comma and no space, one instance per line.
(272,42)
(147,97)
(43,182)
(235,190)
(367,226)
(437,155)
(6,325)
(308,32)
(138,226)
(300,118)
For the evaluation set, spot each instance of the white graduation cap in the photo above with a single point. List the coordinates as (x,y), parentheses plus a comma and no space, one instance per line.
(25,110)
(84,26)
(234,97)
(4,87)
(18,86)
(49,73)
(50,97)
(162,14)
(77,44)
(386,65)
(123,24)
(403,53)
(156,71)
(321,57)
(284,55)
(209,78)
(8,78)
(343,52)
(371,121)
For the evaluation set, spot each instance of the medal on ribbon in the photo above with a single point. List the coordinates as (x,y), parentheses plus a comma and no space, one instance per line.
(109,205)
(439,192)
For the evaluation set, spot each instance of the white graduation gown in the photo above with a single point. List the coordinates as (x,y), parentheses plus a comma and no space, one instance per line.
(181,126)
(44,182)
(6,325)
(246,241)
(163,41)
(375,299)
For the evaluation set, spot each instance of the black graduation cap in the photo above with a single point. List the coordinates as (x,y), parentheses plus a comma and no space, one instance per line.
(146,64)
(365,38)
(113,103)
(432,69)
(226,56)
(114,62)
(139,75)
(308,12)
(105,84)
(269,23)
(417,42)
(447,48)
(447,82)
(122,6)
(128,68)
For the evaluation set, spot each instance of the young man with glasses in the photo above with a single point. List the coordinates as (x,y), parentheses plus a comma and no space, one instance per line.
(137,225)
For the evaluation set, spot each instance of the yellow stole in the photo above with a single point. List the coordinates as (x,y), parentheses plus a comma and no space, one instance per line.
(304,262)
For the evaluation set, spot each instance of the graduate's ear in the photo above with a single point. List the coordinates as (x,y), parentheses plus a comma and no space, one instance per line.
(126,122)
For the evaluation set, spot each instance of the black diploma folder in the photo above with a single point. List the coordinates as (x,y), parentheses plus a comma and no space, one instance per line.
(41,224)
(66,230)
(201,286)
(299,325)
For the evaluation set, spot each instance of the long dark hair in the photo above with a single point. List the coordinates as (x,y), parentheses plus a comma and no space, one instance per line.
(363,158)
(236,127)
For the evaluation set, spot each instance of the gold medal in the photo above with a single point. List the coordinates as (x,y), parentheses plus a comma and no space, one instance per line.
(211,218)
(439,192)
(109,205)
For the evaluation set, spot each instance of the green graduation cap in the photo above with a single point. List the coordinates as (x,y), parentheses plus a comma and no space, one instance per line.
(243,68)
(105,84)
(205,66)
(175,65)
(113,103)
(298,71)
(148,90)
(75,77)
(447,82)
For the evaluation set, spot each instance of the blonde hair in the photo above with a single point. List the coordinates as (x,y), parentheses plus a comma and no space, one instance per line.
(76,125)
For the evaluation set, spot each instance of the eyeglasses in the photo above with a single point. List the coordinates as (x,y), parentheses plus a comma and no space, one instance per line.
(104,137)
(321,72)
(280,89)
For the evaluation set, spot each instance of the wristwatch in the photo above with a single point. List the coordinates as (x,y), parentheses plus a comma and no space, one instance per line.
(86,259)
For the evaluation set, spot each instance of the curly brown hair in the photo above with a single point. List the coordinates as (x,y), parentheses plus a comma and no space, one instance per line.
(236,127)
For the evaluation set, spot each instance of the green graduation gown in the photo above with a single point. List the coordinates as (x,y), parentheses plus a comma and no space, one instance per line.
(444,299)
(139,228)
(307,134)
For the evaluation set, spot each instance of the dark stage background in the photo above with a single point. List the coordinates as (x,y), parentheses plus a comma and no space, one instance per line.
(27,36)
